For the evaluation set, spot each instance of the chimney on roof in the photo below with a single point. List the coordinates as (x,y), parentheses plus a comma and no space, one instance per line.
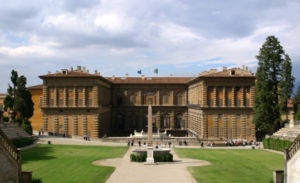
(244,68)
(171,75)
(96,72)
(143,77)
(224,69)
(71,68)
(49,72)
(113,77)
(78,68)
(127,75)
(57,71)
(84,69)
(64,71)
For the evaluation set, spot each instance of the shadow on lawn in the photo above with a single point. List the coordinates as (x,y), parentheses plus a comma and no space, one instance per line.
(36,154)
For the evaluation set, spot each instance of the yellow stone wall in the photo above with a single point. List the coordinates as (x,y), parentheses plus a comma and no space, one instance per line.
(37,118)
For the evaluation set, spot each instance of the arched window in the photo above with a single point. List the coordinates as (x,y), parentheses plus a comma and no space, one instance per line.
(179,121)
(179,99)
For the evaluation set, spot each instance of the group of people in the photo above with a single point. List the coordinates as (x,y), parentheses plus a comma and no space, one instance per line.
(41,133)
(131,143)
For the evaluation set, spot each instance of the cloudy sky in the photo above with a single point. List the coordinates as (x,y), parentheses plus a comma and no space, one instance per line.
(117,37)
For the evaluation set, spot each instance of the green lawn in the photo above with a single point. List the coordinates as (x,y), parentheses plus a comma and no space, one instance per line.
(233,165)
(69,163)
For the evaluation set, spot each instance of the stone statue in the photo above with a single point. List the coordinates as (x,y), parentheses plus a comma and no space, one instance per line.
(292,121)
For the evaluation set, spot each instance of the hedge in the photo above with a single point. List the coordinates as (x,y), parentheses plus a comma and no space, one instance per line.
(276,144)
(21,142)
(157,157)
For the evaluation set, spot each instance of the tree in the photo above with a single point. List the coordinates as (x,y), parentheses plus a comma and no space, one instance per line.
(18,98)
(286,84)
(297,104)
(274,70)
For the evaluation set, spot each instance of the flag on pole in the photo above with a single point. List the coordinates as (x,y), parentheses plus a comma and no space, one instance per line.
(139,72)
(156,71)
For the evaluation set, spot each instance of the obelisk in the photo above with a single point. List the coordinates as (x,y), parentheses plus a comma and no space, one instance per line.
(150,159)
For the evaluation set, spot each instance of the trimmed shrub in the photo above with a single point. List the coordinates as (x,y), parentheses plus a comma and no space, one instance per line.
(21,142)
(36,180)
(157,157)
(276,144)
(27,127)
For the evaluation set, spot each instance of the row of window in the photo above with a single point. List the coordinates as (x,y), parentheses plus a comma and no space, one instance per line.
(89,102)
(228,102)
(221,132)
(150,100)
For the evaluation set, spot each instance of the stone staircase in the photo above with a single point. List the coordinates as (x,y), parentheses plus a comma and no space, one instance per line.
(287,133)
(13,131)
(10,160)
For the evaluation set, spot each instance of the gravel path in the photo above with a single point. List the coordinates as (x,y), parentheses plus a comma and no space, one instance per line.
(132,172)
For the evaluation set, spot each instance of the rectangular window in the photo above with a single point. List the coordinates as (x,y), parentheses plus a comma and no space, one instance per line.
(89,102)
(132,99)
(166,99)
(119,100)
(179,100)
(210,102)
(51,102)
(80,102)
(219,116)
(238,132)
(60,102)
(247,102)
(150,101)
(228,103)
(220,102)
(70,102)
(41,101)
(248,132)
(211,132)
(238,102)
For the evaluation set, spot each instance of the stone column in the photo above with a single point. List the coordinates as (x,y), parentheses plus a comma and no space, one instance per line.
(224,96)
(225,126)
(172,123)
(84,100)
(95,130)
(75,125)
(252,95)
(185,98)
(55,97)
(157,97)
(234,127)
(204,94)
(215,97)
(45,96)
(233,96)
(215,122)
(75,97)
(66,124)
(65,97)
(158,120)
(172,97)
(204,126)
(242,96)
(95,96)
(45,122)
(185,120)
(84,125)
(243,126)
(56,124)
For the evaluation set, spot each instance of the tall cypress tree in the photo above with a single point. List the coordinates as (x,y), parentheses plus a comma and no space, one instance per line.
(286,84)
(268,78)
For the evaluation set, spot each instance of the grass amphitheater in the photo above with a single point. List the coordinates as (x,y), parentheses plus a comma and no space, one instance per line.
(73,163)
(233,165)
(69,163)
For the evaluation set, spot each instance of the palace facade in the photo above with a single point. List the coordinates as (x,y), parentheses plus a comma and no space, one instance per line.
(214,105)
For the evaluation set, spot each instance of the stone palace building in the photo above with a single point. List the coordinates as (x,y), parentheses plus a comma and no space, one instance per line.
(215,105)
